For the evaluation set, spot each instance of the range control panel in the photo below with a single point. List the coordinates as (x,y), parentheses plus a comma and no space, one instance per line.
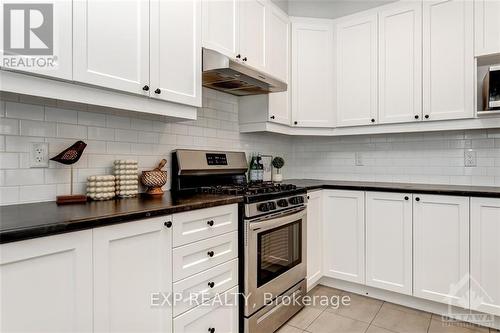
(216,159)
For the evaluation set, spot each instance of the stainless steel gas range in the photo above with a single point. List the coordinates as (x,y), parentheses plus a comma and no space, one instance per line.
(272,234)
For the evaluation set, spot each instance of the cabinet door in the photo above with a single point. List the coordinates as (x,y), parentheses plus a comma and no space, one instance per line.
(356,70)
(485,255)
(221,26)
(111,44)
(487,14)
(47,284)
(132,261)
(278,63)
(448,60)
(61,55)
(176,51)
(253,18)
(389,241)
(312,73)
(441,249)
(344,235)
(400,63)
(314,234)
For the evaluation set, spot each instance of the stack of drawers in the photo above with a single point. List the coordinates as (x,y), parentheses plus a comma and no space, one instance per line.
(205,260)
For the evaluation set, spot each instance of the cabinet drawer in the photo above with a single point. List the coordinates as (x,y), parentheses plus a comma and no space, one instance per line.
(211,315)
(196,257)
(204,223)
(198,288)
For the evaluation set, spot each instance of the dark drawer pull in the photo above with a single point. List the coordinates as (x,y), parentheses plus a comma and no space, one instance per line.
(168,224)
(210,253)
(210,223)
(406,198)
(211,330)
(211,284)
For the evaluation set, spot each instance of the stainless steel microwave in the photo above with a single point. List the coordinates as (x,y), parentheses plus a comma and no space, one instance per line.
(491,89)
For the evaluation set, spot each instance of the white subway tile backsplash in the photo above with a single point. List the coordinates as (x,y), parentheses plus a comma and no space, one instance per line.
(24,111)
(56,176)
(91,119)
(9,160)
(117,122)
(61,115)
(20,143)
(126,135)
(101,133)
(118,148)
(142,124)
(24,177)
(148,137)
(9,195)
(9,126)
(71,131)
(2,109)
(37,193)
(37,128)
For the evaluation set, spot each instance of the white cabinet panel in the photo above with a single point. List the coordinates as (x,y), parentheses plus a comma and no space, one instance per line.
(485,255)
(312,73)
(47,284)
(221,26)
(204,223)
(441,249)
(176,51)
(344,235)
(389,241)
(131,261)
(314,235)
(111,44)
(356,70)
(61,34)
(277,43)
(400,63)
(448,59)
(487,23)
(211,316)
(253,18)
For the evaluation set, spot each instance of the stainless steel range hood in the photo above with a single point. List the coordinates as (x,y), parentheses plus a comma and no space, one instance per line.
(236,78)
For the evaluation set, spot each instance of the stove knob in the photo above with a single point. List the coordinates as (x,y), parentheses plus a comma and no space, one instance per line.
(300,199)
(282,203)
(263,207)
(272,205)
(293,200)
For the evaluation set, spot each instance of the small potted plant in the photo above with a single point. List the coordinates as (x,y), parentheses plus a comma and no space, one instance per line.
(278,163)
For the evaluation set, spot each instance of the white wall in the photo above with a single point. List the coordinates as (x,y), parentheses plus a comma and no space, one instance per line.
(110,134)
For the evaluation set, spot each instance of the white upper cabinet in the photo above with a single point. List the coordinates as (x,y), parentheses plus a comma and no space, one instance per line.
(344,235)
(312,72)
(448,59)
(132,261)
(221,26)
(314,235)
(441,249)
(111,44)
(400,63)
(47,284)
(61,43)
(485,255)
(253,21)
(487,21)
(389,258)
(356,70)
(176,51)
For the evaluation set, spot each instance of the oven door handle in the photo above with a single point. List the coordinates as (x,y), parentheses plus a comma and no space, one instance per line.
(278,221)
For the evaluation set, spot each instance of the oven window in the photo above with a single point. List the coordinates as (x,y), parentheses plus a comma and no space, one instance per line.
(278,250)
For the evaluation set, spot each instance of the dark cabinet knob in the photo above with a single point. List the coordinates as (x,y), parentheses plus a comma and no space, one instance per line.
(238,56)
(168,224)
(272,117)
(406,198)
(210,223)
(308,198)
(145,88)
(426,116)
(373,120)
(210,253)
(157,91)
(295,123)
(211,330)
(211,284)
(417,116)
(244,59)
(417,199)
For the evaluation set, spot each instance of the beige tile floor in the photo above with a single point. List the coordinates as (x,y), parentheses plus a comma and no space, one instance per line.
(368,315)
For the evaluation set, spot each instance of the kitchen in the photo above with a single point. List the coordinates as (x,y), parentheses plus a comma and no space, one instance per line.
(391,183)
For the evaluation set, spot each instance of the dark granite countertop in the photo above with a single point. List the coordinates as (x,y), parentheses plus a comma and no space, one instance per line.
(19,222)
(459,190)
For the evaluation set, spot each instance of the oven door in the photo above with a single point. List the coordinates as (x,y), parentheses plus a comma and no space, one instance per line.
(275,256)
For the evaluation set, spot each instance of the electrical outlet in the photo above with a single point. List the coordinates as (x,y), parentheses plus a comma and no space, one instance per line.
(470,158)
(358,159)
(39,155)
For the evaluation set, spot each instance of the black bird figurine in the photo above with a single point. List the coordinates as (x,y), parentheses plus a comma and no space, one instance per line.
(72,154)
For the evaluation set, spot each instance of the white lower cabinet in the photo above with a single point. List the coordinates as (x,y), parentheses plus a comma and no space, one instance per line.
(389,241)
(132,261)
(441,249)
(46,284)
(485,255)
(314,234)
(344,235)
(219,315)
